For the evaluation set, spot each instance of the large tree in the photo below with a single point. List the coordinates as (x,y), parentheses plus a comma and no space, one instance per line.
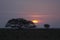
(20,23)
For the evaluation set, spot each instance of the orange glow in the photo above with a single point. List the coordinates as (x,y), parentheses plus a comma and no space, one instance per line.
(35,21)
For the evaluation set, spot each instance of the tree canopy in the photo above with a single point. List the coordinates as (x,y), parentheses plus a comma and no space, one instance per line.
(46,26)
(20,23)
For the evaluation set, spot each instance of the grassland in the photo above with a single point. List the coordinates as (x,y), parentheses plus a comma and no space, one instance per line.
(29,34)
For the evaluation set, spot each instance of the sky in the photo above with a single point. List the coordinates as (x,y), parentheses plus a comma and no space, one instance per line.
(48,11)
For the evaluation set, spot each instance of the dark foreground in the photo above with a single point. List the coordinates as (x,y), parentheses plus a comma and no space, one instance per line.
(29,34)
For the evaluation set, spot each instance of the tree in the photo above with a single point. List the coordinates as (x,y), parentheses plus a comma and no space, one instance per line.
(29,24)
(26,23)
(12,23)
(46,26)
(20,23)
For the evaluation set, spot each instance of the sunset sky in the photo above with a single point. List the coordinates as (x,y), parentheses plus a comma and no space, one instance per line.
(46,11)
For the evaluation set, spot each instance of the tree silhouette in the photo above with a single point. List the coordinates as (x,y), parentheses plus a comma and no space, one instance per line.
(12,23)
(25,23)
(20,23)
(29,24)
(46,26)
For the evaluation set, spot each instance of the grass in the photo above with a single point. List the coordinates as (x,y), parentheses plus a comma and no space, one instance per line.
(29,34)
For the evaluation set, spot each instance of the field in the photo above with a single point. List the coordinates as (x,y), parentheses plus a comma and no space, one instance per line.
(29,34)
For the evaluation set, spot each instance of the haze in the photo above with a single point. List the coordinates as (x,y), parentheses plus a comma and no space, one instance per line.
(46,10)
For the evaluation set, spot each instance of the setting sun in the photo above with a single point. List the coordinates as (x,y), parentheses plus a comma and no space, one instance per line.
(35,21)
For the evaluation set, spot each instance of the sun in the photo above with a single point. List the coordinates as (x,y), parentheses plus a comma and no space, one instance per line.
(35,21)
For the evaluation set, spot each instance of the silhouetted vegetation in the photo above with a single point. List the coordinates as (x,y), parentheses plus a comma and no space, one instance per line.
(20,23)
(46,26)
